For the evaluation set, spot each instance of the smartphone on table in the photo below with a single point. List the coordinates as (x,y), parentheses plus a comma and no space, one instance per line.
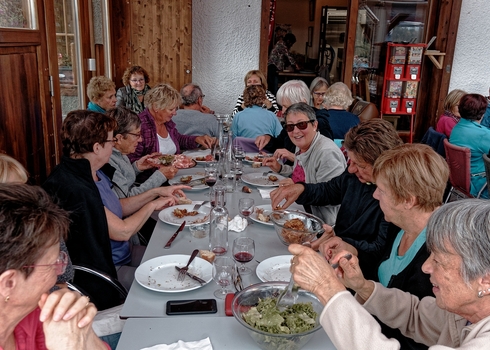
(193,306)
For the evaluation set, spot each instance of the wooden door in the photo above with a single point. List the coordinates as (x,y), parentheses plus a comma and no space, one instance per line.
(155,34)
(28,121)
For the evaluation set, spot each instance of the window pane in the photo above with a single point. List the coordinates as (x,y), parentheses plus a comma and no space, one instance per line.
(17,14)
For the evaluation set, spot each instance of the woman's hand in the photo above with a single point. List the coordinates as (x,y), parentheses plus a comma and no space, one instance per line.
(143,163)
(312,272)
(67,321)
(286,182)
(206,141)
(172,191)
(262,141)
(289,194)
(283,153)
(169,171)
(329,233)
(164,202)
(332,245)
(272,163)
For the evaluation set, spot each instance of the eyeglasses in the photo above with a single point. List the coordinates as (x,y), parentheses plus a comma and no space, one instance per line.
(203,96)
(136,81)
(319,94)
(135,135)
(113,141)
(301,125)
(59,264)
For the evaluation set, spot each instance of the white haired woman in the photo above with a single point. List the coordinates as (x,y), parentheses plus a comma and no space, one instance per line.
(337,100)
(458,317)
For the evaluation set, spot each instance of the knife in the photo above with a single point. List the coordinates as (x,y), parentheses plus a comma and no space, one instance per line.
(169,243)
(194,277)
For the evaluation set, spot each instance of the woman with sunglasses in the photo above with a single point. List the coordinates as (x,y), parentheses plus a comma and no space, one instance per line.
(131,95)
(317,158)
(32,227)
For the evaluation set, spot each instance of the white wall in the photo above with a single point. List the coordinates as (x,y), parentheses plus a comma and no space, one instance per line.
(471,66)
(225,46)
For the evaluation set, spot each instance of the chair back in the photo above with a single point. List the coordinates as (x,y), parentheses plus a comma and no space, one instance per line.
(435,140)
(364,110)
(458,160)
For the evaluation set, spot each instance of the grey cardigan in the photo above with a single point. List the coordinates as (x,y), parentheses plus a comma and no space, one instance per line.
(125,176)
(322,161)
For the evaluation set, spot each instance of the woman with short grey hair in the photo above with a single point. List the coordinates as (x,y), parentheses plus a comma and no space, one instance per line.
(337,100)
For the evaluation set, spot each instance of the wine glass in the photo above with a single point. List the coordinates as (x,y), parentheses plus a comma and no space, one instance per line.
(237,170)
(223,275)
(245,205)
(243,252)
(210,178)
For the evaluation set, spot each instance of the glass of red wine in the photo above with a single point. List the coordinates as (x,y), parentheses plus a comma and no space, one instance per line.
(243,252)
(246,206)
(210,179)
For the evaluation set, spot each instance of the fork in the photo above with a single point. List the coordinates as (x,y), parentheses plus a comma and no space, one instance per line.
(183,271)
(197,206)
(289,295)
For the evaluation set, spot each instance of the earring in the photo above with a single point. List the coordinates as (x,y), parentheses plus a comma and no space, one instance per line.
(481,293)
(7,298)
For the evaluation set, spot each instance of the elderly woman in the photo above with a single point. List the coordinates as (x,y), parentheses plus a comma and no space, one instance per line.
(337,99)
(291,92)
(255,120)
(451,116)
(458,238)
(317,158)
(469,133)
(318,89)
(127,136)
(157,128)
(30,259)
(101,92)
(360,220)
(256,77)
(410,181)
(131,95)
(96,225)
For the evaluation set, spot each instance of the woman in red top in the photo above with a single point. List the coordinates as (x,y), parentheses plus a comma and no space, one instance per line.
(450,117)
(30,260)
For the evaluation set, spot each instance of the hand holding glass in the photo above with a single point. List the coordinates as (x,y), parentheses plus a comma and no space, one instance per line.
(223,275)
(243,252)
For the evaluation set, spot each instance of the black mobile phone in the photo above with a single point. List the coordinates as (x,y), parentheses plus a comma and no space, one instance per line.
(194,306)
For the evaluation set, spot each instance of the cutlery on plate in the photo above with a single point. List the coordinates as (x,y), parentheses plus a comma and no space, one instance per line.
(194,277)
(199,205)
(169,243)
(265,173)
(183,270)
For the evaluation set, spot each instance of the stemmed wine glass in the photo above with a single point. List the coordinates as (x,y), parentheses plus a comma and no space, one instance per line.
(246,206)
(243,252)
(210,179)
(223,275)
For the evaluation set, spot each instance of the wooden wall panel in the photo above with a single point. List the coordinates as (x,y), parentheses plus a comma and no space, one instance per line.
(159,33)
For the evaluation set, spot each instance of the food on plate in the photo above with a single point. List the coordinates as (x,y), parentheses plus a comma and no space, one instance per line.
(180,213)
(186,179)
(256,164)
(273,178)
(200,221)
(165,159)
(258,158)
(208,158)
(207,255)
(297,318)
(246,189)
(261,215)
(292,231)
(184,200)
(183,162)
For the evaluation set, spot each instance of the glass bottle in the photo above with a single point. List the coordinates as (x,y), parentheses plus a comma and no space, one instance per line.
(218,223)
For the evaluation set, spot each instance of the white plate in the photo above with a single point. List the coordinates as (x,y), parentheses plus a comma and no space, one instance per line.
(252,155)
(258,179)
(275,269)
(198,153)
(159,274)
(267,210)
(199,187)
(167,215)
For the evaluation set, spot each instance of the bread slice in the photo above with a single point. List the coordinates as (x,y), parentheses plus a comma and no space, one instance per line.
(207,255)
(184,200)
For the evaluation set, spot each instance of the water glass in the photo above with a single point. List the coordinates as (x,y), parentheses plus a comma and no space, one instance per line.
(237,170)
(223,274)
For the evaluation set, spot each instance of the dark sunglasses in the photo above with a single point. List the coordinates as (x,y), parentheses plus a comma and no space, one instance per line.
(300,125)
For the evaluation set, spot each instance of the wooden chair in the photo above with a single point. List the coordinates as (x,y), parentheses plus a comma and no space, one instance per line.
(458,160)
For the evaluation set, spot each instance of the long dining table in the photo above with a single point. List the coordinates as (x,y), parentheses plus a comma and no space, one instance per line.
(147,323)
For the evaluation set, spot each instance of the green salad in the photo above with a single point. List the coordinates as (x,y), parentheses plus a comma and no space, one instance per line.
(266,317)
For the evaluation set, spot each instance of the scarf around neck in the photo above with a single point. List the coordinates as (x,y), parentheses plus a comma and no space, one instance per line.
(135,103)
(95,107)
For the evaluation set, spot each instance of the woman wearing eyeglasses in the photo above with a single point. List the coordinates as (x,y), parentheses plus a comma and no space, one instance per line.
(32,227)
(318,88)
(101,92)
(131,95)
(317,158)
